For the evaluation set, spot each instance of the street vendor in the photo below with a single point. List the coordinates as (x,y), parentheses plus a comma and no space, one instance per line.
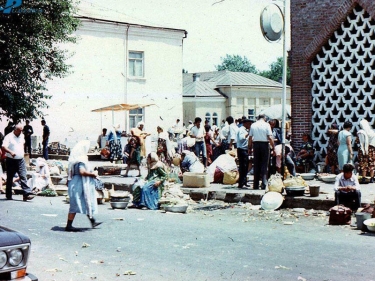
(138,149)
(347,188)
(190,162)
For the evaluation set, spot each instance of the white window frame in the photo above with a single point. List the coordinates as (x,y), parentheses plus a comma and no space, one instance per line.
(137,115)
(134,61)
(251,116)
(215,119)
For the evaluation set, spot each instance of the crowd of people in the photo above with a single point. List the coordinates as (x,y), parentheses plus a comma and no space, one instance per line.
(236,148)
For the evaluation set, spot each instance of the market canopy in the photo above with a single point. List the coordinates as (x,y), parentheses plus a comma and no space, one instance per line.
(121,107)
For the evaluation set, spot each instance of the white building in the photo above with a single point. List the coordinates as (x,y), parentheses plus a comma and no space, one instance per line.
(116,62)
(215,95)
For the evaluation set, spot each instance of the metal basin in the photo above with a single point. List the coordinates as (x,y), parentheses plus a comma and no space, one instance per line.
(176,209)
(119,205)
(295,190)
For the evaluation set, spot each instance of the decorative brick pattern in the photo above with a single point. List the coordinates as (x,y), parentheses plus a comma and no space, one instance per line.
(313,24)
(343,77)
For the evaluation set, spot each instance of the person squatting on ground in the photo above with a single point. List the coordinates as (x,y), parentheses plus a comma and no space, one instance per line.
(347,188)
(260,138)
(46,133)
(198,133)
(13,145)
(305,156)
(148,195)
(41,177)
(81,186)
(243,152)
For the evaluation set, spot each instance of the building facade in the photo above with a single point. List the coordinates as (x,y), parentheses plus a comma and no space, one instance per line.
(218,94)
(117,62)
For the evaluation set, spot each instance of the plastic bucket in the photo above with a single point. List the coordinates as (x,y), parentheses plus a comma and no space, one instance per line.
(314,190)
(361,217)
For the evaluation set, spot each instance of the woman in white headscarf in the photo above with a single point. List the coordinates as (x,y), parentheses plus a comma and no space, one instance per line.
(148,195)
(41,177)
(114,143)
(366,151)
(81,186)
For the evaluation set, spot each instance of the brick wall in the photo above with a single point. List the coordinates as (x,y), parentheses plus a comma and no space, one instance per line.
(312,24)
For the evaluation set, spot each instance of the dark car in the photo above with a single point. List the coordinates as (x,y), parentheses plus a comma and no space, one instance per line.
(14,254)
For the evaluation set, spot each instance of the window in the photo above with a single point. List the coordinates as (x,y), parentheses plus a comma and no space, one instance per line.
(136,64)
(135,116)
(208,117)
(250,113)
(214,119)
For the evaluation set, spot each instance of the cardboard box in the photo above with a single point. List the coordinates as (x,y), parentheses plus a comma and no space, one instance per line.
(196,180)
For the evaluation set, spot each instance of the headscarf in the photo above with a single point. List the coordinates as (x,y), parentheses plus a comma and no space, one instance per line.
(140,123)
(363,141)
(154,161)
(114,130)
(40,162)
(78,154)
(370,133)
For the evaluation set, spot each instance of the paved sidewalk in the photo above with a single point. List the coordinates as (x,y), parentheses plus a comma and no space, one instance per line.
(231,194)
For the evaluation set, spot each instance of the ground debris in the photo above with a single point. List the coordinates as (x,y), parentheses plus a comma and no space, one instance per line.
(130,272)
(54,270)
(85,245)
(282,267)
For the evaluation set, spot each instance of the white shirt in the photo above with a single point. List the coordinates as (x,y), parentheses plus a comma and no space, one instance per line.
(260,131)
(233,129)
(198,133)
(15,144)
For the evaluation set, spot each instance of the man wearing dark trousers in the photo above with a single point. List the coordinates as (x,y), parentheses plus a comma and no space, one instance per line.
(45,139)
(28,131)
(243,152)
(260,138)
(13,145)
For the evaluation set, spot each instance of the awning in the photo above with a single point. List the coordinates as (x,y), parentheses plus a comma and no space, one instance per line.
(121,107)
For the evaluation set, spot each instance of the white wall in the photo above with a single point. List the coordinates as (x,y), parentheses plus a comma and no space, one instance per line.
(99,79)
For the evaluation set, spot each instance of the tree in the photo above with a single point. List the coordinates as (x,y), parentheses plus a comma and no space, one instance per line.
(31,35)
(236,63)
(276,71)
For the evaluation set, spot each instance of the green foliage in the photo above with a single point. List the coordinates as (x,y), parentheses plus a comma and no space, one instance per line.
(276,71)
(31,54)
(236,63)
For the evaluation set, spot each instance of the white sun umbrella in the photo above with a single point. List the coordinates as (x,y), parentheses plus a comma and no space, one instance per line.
(276,111)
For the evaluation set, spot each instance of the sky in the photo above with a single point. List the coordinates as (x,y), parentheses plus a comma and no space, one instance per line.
(215,28)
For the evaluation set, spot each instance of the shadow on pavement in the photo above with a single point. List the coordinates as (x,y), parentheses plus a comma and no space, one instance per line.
(60,228)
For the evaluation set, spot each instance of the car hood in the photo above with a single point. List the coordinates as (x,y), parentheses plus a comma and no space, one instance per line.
(9,237)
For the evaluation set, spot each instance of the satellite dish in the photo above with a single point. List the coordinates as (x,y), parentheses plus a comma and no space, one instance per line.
(271,22)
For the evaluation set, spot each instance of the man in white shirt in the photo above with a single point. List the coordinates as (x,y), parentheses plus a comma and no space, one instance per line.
(198,133)
(260,138)
(347,188)
(232,136)
(13,145)
(102,139)
(243,152)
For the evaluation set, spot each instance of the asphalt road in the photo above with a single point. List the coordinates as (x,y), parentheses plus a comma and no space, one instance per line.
(233,243)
